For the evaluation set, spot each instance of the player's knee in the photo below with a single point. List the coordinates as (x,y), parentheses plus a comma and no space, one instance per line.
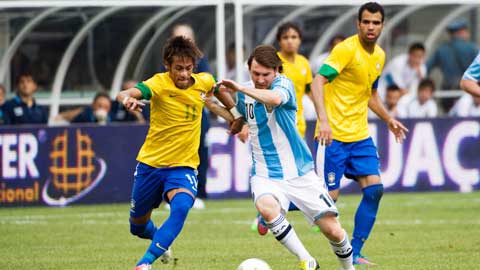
(137,229)
(268,207)
(373,193)
(331,228)
(181,204)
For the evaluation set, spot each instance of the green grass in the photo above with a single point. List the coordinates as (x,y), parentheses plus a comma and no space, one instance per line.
(413,231)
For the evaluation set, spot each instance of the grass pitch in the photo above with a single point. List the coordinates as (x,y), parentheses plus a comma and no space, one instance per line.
(413,231)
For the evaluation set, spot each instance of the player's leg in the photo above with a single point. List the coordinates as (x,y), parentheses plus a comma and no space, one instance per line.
(363,166)
(143,199)
(319,209)
(271,203)
(180,190)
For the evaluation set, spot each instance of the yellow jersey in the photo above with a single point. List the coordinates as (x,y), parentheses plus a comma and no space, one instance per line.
(353,74)
(175,120)
(300,74)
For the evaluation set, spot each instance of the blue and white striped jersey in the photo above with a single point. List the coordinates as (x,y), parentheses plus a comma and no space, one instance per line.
(278,150)
(473,71)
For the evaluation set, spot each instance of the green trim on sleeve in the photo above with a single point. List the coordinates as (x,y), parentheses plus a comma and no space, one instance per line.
(328,72)
(146,92)
(217,88)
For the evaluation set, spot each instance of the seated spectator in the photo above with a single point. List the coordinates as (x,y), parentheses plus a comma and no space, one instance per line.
(118,112)
(22,109)
(391,99)
(405,71)
(423,106)
(98,112)
(466,106)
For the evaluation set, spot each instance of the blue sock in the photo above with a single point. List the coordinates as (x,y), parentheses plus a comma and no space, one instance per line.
(292,207)
(145,231)
(164,236)
(365,216)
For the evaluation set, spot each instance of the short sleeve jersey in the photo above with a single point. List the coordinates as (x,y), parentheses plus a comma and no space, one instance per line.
(473,71)
(300,74)
(353,74)
(175,120)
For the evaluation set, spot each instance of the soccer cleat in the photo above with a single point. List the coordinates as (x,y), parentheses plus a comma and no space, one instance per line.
(310,264)
(262,228)
(166,257)
(361,260)
(144,266)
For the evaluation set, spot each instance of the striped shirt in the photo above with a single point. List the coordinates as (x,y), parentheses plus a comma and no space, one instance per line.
(278,150)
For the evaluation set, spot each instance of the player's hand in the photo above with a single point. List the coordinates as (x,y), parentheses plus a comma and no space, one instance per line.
(133,104)
(230,84)
(324,135)
(236,126)
(398,129)
(243,134)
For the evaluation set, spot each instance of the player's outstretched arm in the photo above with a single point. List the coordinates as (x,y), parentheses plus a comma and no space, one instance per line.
(235,119)
(376,105)
(130,99)
(265,97)
(324,135)
(470,86)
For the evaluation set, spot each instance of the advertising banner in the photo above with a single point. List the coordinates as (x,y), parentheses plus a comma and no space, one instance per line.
(58,166)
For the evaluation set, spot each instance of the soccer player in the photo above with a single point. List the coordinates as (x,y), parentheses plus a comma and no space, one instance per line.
(283,169)
(343,90)
(168,158)
(471,78)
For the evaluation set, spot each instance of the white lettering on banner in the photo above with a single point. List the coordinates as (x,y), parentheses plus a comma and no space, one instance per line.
(243,165)
(465,178)
(220,163)
(27,151)
(16,162)
(8,156)
(423,156)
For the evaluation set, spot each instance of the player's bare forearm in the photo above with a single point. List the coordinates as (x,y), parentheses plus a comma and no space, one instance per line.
(225,98)
(470,86)
(218,110)
(376,105)
(263,96)
(317,90)
(130,99)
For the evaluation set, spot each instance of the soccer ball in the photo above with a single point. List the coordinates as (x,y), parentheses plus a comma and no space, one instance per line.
(254,264)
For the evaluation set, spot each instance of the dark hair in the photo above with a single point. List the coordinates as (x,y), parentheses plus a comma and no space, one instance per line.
(426,83)
(372,7)
(282,29)
(23,75)
(266,55)
(416,46)
(393,88)
(181,47)
(101,94)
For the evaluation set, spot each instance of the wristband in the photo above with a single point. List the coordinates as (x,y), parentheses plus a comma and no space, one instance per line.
(124,102)
(236,114)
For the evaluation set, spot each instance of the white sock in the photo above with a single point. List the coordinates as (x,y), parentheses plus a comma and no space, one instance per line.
(285,234)
(343,250)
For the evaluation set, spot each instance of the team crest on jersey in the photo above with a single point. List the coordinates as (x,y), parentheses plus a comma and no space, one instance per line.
(331,178)
(203,96)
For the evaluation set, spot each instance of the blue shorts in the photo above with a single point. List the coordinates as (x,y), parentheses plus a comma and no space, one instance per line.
(151,185)
(351,159)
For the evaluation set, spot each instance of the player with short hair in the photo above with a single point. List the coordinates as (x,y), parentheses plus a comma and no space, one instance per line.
(283,169)
(168,158)
(343,90)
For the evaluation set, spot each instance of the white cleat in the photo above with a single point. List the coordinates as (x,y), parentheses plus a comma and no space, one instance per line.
(166,257)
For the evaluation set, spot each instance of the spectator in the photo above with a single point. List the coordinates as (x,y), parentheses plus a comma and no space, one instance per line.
(423,106)
(318,62)
(405,71)
(466,106)
(23,109)
(118,113)
(231,64)
(98,112)
(391,99)
(454,56)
